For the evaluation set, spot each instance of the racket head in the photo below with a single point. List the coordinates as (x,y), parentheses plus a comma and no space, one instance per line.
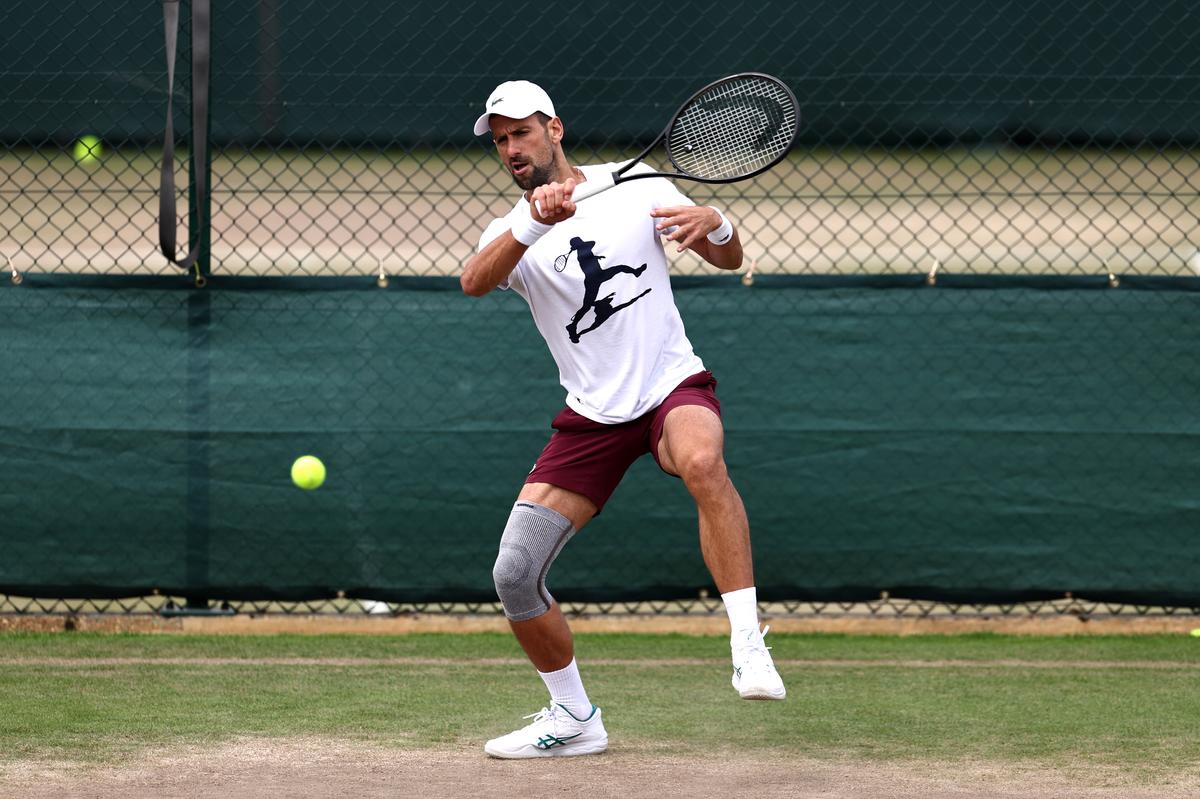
(734,128)
(560,263)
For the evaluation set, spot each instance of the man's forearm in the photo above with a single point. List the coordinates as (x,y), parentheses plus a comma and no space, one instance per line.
(490,266)
(725,256)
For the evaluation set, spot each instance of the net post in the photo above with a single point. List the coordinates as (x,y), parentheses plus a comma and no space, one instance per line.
(199,317)
(200,216)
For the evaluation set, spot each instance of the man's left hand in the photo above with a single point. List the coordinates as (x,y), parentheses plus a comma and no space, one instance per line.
(691,222)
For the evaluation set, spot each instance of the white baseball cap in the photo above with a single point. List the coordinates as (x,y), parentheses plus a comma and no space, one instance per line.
(515,99)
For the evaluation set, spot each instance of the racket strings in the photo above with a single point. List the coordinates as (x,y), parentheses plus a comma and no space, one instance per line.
(735,128)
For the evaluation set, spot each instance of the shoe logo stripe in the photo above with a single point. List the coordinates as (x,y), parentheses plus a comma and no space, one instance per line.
(551,741)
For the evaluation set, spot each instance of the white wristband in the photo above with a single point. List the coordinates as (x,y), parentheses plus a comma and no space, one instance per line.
(724,233)
(527,230)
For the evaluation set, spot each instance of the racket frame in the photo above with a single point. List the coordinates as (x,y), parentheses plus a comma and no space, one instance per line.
(619,175)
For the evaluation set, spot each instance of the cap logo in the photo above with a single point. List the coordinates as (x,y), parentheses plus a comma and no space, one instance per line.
(496,101)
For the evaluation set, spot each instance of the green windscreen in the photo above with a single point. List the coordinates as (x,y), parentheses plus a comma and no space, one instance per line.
(979,440)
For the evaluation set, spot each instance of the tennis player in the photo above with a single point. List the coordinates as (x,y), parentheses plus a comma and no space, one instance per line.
(595,277)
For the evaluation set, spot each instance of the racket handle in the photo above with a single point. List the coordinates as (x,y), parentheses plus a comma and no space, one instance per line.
(593,186)
(588,188)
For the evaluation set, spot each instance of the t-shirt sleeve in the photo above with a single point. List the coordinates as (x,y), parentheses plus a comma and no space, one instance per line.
(492,232)
(667,194)
(664,193)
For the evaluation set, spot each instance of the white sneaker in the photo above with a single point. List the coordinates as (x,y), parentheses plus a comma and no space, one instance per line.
(553,733)
(754,675)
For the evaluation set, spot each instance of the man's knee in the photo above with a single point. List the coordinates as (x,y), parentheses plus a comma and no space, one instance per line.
(702,467)
(532,540)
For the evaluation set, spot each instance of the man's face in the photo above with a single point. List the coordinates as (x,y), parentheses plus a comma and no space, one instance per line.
(526,146)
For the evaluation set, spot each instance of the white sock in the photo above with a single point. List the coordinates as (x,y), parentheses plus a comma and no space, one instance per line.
(742,607)
(566,689)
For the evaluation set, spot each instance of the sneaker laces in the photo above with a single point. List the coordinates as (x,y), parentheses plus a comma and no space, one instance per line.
(545,714)
(753,650)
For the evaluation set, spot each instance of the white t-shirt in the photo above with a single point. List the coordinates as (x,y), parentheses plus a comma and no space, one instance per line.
(598,288)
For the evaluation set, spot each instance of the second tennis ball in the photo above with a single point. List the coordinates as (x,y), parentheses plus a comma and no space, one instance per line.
(308,472)
(88,150)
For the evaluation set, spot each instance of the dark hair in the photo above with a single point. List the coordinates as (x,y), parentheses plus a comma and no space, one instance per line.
(543,117)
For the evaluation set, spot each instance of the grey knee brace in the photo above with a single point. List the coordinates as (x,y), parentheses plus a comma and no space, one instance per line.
(532,540)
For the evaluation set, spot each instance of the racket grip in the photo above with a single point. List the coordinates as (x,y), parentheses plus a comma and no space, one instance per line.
(593,186)
(588,188)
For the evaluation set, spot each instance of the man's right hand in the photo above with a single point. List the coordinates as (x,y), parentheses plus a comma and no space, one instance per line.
(551,203)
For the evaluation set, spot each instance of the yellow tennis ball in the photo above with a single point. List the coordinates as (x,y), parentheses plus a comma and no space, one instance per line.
(1196,633)
(308,472)
(88,150)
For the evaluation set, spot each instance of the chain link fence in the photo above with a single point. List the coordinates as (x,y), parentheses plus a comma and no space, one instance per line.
(1013,149)
(1057,138)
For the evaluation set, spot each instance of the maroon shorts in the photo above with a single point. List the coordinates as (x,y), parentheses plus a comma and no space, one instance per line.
(590,458)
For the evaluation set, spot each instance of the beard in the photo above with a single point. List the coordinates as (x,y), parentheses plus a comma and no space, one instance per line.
(538,175)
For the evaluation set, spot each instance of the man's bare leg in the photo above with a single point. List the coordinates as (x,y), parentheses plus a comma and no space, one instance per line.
(692,446)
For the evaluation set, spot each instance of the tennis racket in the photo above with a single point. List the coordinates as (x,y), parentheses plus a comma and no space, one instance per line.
(732,129)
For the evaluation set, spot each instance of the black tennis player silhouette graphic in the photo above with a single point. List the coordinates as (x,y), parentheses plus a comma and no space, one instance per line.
(594,276)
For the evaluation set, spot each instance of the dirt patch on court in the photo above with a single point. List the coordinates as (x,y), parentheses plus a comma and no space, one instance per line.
(315,767)
(812,663)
